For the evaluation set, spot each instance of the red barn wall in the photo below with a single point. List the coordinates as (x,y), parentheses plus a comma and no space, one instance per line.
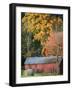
(53,67)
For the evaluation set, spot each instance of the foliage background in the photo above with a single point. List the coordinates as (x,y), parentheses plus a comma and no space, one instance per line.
(41,34)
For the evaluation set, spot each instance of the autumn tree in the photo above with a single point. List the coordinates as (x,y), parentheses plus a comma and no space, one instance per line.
(38,26)
(58,28)
(36,29)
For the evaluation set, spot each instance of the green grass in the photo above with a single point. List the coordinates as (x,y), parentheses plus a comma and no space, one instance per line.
(25,74)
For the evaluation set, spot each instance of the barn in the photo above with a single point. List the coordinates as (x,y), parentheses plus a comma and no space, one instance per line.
(44,64)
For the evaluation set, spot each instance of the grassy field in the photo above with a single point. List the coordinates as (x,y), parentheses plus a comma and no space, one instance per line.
(24,73)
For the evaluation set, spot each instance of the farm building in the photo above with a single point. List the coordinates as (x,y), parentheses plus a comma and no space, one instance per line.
(44,64)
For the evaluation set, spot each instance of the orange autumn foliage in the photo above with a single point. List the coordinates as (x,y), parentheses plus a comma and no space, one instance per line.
(54,42)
